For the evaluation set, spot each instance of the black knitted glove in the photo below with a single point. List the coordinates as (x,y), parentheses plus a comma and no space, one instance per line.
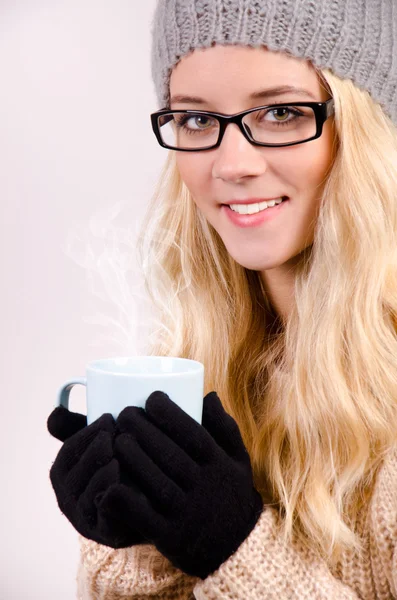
(197,502)
(83,470)
(62,423)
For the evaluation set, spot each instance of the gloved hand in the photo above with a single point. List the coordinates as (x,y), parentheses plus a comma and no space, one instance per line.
(196,500)
(84,469)
(63,423)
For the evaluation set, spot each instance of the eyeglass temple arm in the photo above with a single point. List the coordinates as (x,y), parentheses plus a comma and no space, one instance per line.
(330,104)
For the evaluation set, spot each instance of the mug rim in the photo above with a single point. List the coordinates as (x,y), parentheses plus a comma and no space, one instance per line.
(94,365)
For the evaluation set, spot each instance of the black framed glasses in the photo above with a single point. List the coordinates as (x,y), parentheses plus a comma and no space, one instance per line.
(273,125)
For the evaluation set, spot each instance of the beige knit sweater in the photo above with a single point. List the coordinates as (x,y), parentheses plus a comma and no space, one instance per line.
(262,568)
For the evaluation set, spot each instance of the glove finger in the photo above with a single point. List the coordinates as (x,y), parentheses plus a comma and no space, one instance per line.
(135,510)
(74,447)
(162,491)
(63,423)
(97,455)
(178,426)
(70,480)
(115,533)
(223,428)
(167,454)
(101,481)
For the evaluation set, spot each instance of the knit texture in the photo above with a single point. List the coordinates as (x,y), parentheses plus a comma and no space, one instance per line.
(262,567)
(356,39)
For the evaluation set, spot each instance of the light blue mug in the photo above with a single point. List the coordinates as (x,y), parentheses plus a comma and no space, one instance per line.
(114,383)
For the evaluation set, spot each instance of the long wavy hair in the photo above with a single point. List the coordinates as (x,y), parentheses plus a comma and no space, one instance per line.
(315,397)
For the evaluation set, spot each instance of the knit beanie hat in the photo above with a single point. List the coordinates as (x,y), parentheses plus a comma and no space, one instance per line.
(356,39)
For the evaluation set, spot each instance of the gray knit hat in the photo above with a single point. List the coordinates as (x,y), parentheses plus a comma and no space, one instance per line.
(356,39)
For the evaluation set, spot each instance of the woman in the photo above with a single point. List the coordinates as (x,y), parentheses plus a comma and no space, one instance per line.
(291,308)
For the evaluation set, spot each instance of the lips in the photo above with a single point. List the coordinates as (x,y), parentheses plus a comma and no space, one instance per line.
(255,200)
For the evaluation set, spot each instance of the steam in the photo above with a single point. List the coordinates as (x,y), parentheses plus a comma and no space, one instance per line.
(107,252)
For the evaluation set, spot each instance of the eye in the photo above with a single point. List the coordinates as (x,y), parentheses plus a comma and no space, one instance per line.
(202,118)
(186,121)
(279,116)
(283,109)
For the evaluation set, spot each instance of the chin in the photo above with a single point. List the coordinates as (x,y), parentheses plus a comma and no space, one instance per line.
(254,265)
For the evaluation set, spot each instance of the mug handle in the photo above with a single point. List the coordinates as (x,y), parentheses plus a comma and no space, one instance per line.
(65,389)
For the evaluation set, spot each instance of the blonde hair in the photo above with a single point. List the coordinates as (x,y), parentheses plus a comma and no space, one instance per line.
(315,397)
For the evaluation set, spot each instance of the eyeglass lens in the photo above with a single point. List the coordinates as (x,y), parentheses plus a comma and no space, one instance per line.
(277,125)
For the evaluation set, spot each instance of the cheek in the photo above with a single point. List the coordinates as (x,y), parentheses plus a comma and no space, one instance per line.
(311,167)
(324,154)
(194,173)
(185,167)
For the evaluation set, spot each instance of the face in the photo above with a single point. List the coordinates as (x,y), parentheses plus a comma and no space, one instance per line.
(225,77)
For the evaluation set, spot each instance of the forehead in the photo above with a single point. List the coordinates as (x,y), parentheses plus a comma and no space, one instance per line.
(236,71)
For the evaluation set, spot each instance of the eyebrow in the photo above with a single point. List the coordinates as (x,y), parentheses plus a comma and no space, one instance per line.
(259,95)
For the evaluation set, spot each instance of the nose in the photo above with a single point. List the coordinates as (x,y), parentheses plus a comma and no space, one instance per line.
(236,157)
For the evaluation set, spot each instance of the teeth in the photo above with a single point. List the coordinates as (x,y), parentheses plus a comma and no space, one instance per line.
(249,209)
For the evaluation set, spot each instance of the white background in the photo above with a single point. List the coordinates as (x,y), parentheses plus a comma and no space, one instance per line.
(75,139)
